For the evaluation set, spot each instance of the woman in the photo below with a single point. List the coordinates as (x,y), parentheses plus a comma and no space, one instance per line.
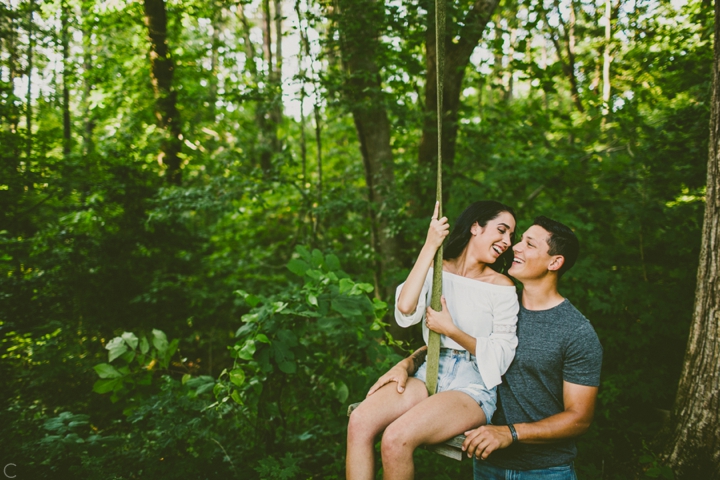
(477,324)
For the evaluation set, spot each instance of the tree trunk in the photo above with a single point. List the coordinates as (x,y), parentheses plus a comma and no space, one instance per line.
(89,120)
(29,110)
(67,134)
(360,22)
(457,57)
(163,69)
(694,450)
(607,59)
(566,32)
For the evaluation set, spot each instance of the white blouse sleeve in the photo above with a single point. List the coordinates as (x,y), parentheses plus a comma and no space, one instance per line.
(419,313)
(495,353)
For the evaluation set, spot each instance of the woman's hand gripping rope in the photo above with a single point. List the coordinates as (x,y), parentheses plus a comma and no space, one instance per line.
(439,229)
(440,322)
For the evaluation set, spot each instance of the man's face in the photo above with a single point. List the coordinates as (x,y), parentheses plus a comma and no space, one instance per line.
(532,259)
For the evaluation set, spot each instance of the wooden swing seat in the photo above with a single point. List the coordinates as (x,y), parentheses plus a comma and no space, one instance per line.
(451,448)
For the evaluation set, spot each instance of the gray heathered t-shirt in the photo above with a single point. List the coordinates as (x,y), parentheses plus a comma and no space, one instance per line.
(553,345)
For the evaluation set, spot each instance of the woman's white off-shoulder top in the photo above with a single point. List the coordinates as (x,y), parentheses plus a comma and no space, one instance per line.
(482,310)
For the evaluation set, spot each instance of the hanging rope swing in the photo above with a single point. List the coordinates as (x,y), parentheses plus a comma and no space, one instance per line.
(453,447)
(433,355)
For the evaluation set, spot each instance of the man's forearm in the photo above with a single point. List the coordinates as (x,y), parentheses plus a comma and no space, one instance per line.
(548,430)
(579,403)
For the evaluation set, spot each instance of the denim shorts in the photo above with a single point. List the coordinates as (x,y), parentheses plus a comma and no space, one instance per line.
(483,470)
(458,371)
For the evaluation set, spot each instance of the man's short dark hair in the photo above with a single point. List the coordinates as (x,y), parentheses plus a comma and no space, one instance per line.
(562,241)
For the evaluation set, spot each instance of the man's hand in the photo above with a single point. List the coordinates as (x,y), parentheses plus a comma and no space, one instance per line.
(400,372)
(484,440)
(397,374)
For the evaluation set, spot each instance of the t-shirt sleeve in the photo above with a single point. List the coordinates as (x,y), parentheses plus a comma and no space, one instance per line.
(419,313)
(583,357)
(495,353)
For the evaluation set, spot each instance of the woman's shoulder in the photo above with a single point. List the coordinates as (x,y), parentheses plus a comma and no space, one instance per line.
(491,280)
(502,280)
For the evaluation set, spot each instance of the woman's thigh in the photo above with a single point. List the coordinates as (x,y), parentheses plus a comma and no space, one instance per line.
(384,406)
(436,419)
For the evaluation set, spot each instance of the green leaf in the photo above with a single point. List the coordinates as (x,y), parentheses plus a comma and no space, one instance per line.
(196,382)
(247,351)
(130,339)
(667,473)
(160,340)
(128,356)
(652,472)
(217,389)
(185,378)
(236,397)
(144,345)
(346,306)
(247,328)
(314,274)
(297,266)
(116,347)
(287,366)
(365,287)
(278,307)
(287,337)
(105,370)
(317,258)
(105,386)
(237,376)
(312,299)
(332,263)
(252,300)
(261,337)
(341,391)
(346,285)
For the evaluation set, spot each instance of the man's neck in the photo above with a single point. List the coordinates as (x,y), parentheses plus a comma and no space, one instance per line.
(541,294)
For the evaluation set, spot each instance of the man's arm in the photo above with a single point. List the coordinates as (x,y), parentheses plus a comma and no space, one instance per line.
(401,371)
(579,401)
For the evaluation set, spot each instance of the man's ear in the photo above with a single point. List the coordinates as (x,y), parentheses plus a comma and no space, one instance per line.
(556,263)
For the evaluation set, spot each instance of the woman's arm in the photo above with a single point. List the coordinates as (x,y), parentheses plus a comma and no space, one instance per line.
(408,299)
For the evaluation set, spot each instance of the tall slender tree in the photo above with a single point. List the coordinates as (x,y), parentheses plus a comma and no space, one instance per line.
(694,450)
(360,23)
(162,70)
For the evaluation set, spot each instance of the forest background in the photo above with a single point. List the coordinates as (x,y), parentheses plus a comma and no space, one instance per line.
(205,208)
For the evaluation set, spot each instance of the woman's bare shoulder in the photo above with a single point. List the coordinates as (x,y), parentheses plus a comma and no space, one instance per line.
(500,279)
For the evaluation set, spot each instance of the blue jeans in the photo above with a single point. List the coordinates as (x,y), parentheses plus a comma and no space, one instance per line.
(485,471)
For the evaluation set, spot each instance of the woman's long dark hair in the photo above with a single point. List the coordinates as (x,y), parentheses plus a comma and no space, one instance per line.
(480,212)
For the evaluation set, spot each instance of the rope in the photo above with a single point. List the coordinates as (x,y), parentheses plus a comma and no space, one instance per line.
(433,355)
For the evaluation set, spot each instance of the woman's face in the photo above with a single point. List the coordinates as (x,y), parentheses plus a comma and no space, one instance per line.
(492,240)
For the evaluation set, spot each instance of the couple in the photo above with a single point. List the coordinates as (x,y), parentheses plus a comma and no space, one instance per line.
(519,427)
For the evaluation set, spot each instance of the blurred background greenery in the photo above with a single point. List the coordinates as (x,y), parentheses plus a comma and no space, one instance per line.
(199,246)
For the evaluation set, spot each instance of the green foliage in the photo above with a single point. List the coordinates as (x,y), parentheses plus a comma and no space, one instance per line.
(278,338)
(300,356)
(135,361)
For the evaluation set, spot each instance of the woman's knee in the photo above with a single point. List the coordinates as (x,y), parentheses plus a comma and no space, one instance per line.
(362,426)
(396,442)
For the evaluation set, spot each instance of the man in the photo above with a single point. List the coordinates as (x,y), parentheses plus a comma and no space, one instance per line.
(548,394)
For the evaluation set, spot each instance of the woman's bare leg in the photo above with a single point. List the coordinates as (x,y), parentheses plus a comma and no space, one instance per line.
(433,420)
(370,418)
